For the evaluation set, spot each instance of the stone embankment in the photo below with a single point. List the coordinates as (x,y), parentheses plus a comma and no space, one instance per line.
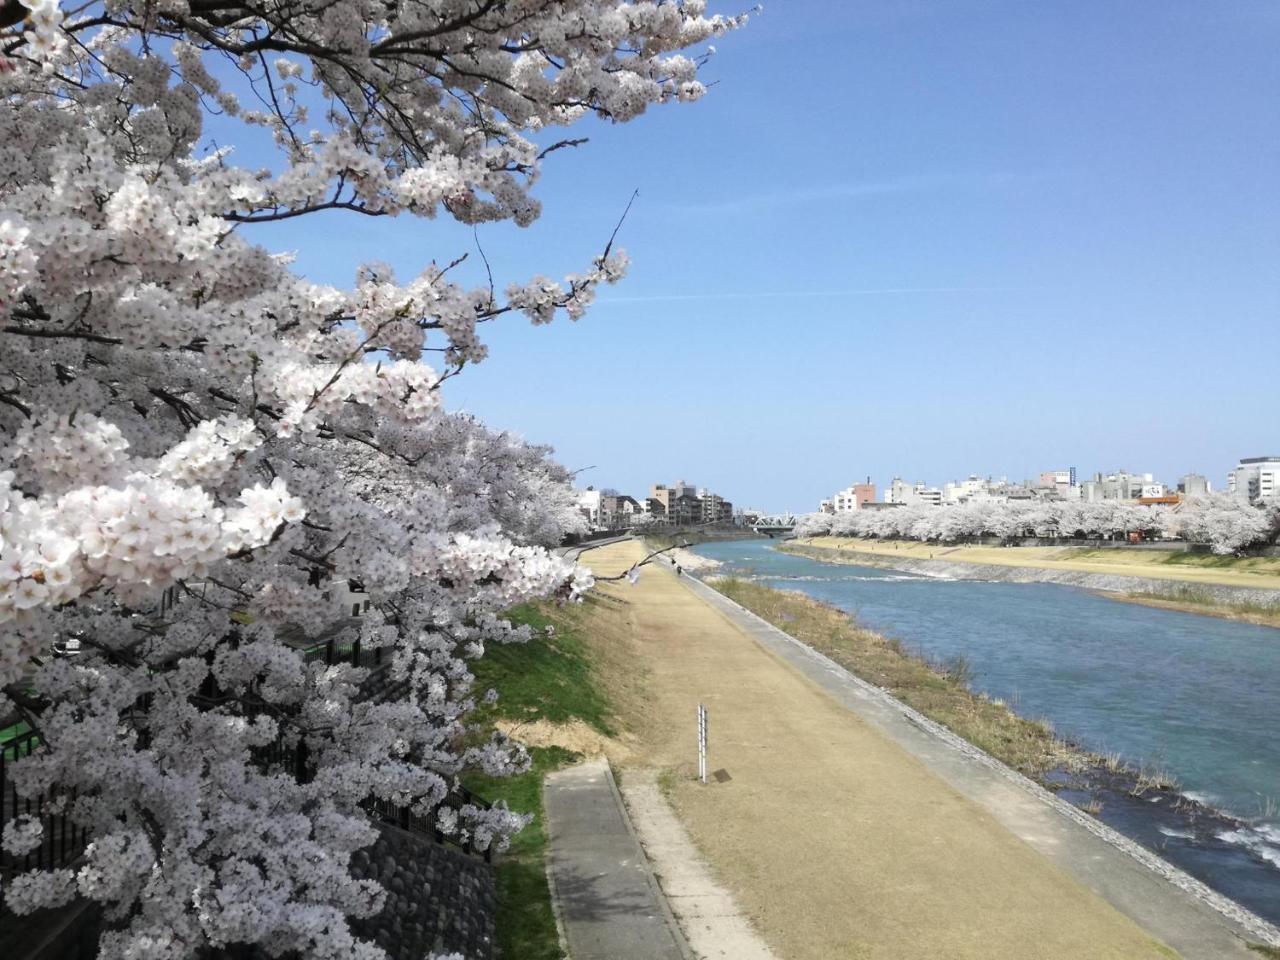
(438,900)
(1106,582)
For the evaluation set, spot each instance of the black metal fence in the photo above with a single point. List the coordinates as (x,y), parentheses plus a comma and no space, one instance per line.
(62,841)
(406,819)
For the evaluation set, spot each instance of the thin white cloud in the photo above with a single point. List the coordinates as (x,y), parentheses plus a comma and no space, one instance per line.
(766,294)
(832,192)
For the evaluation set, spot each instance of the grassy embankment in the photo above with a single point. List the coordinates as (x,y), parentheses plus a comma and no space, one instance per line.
(940,691)
(549,679)
(1196,573)
(1191,599)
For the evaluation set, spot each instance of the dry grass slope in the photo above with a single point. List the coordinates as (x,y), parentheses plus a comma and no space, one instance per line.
(939,691)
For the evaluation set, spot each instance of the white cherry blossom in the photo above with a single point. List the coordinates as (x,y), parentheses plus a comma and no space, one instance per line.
(200,446)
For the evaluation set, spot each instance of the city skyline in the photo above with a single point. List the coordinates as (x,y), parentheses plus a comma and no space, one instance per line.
(1218,481)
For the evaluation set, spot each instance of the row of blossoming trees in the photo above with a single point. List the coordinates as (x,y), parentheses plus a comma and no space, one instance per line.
(1227,523)
(197,442)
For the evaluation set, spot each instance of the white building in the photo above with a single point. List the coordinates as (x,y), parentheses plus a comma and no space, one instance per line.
(899,491)
(1120,485)
(974,488)
(1256,478)
(844,501)
(930,495)
(589,504)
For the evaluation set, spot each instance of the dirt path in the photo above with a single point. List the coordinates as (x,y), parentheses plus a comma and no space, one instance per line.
(712,921)
(835,841)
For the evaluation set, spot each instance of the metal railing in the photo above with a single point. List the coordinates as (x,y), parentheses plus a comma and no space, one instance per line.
(404,818)
(62,840)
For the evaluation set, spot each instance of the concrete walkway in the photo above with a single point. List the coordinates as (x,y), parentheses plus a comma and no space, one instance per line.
(606,897)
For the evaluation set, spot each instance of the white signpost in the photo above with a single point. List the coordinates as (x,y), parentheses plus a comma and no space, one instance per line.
(702,743)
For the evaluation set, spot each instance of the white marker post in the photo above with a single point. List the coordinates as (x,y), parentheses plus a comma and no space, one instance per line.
(702,743)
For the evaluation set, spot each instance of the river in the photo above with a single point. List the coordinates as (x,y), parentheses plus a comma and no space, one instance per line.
(1193,695)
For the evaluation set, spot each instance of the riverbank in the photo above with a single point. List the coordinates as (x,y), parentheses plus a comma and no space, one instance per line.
(1107,787)
(1191,600)
(691,562)
(1250,588)
(667,537)
(835,839)
(1185,693)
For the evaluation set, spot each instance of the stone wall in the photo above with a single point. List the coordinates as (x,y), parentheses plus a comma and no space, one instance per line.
(438,899)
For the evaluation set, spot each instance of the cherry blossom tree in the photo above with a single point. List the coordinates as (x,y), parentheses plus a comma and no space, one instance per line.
(1226,523)
(198,443)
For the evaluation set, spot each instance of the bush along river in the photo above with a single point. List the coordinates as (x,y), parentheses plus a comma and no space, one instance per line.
(1193,697)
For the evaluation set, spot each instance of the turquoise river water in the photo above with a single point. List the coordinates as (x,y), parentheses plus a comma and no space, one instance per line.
(1193,695)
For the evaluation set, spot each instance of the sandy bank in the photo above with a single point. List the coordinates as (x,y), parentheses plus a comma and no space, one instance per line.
(688,560)
(1036,565)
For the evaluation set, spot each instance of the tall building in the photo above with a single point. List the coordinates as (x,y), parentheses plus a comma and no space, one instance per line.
(589,503)
(899,491)
(1194,485)
(715,508)
(617,510)
(1255,478)
(851,498)
(682,504)
(677,504)
(971,488)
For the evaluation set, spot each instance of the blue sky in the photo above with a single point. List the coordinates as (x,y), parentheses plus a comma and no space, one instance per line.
(911,238)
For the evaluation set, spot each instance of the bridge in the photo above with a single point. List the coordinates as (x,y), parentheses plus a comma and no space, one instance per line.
(776,527)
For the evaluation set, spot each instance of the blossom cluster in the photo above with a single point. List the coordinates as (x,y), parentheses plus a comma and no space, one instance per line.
(1226,523)
(202,452)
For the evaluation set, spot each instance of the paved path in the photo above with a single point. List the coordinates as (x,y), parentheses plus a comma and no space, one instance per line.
(606,896)
(842,837)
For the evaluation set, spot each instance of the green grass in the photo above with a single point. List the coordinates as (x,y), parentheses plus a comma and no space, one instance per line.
(526,925)
(551,679)
(547,678)
(1265,950)
(1265,613)
(1183,558)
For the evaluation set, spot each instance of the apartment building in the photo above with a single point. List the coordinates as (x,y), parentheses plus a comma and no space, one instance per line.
(1255,478)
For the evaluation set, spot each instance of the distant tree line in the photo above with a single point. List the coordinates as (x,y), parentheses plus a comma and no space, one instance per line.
(1225,523)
